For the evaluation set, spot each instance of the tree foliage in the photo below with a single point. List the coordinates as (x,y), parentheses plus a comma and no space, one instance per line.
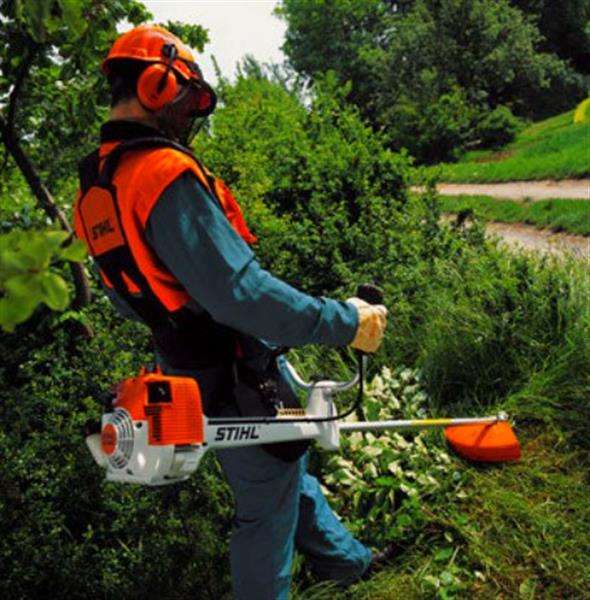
(28,273)
(428,72)
(565,28)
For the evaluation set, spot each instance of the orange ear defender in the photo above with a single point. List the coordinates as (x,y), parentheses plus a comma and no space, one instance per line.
(170,64)
(157,85)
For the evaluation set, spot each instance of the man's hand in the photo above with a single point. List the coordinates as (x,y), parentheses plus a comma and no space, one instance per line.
(371,327)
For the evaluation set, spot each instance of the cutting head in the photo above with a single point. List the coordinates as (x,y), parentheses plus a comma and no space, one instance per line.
(495,442)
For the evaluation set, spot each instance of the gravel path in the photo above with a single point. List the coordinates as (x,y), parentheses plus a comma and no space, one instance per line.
(527,237)
(575,189)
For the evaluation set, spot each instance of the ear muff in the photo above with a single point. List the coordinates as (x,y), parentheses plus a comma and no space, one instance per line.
(156,87)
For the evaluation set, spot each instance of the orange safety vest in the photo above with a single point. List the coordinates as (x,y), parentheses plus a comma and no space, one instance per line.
(140,179)
(119,186)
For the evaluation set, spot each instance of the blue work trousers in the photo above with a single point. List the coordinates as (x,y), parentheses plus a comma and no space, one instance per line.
(280,508)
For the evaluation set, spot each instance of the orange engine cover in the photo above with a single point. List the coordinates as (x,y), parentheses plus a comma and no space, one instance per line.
(171,406)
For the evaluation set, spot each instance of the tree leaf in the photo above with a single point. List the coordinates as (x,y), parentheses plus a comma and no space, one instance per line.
(42,246)
(72,17)
(14,311)
(75,251)
(11,264)
(25,287)
(34,14)
(56,294)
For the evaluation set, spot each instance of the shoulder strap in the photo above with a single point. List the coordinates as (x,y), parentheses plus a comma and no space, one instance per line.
(88,171)
(112,159)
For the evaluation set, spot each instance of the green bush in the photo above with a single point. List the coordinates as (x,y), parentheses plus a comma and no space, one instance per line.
(497,128)
(443,129)
(319,188)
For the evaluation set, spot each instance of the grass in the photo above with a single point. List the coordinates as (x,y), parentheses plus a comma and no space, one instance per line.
(571,216)
(555,148)
(515,531)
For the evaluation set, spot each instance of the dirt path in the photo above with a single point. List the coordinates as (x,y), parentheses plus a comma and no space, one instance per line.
(576,189)
(527,237)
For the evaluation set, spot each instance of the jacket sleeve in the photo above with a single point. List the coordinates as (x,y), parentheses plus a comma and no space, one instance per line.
(189,232)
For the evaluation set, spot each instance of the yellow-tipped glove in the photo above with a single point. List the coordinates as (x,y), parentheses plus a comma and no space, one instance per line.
(371,327)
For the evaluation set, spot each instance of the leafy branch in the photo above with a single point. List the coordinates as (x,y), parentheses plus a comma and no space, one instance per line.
(10,137)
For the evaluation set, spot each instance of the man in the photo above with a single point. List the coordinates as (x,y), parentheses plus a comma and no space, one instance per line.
(172,247)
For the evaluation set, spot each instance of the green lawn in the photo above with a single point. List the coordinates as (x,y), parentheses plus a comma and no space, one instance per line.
(572,216)
(550,149)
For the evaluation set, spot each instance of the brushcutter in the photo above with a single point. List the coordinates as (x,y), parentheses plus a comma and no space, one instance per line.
(157,432)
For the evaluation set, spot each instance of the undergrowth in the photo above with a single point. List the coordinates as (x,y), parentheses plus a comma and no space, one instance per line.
(508,531)
(462,531)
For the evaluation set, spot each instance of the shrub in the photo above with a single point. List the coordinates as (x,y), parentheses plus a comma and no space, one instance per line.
(497,128)
(444,128)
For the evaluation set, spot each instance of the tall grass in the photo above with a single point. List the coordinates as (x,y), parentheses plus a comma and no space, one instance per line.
(490,325)
(506,331)
(557,392)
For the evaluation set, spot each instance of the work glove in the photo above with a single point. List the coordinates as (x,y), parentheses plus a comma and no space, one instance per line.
(372,320)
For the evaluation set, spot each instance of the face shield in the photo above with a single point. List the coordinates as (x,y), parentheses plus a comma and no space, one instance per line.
(184,117)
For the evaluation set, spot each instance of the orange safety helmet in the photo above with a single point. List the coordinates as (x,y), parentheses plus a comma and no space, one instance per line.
(170,59)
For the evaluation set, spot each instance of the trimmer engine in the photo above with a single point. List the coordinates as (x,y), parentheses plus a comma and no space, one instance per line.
(155,420)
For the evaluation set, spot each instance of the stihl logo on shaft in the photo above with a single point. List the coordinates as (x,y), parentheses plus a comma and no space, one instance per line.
(235,433)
